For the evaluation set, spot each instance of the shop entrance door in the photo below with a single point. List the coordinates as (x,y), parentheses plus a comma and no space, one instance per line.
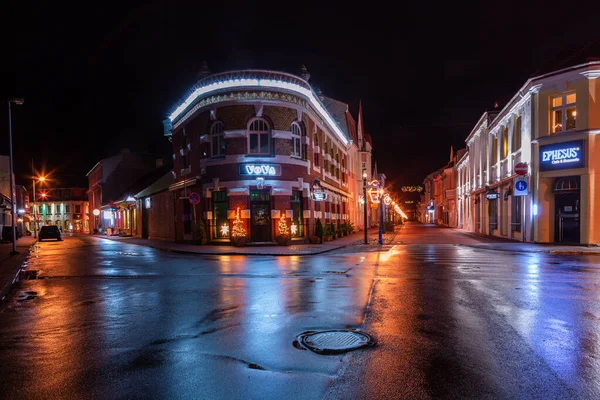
(567,204)
(260,215)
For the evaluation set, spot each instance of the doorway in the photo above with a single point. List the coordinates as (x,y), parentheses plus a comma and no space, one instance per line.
(260,215)
(567,204)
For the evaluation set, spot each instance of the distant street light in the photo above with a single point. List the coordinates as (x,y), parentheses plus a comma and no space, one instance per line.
(17,101)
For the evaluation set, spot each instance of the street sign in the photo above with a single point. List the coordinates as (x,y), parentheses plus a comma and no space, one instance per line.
(521,187)
(194,198)
(491,195)
(521,168)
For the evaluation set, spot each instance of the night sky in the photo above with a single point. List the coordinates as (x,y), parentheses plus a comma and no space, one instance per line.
(98,78)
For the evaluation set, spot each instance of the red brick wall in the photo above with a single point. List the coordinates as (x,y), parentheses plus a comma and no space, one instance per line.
(235,117)
(282,117)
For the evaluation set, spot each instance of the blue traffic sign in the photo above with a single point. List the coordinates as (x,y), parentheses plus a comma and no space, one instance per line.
(194,198)
(521,186)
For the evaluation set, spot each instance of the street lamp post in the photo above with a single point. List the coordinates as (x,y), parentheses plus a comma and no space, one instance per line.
(35,222)
(17,101)
(381,205)
(364,175)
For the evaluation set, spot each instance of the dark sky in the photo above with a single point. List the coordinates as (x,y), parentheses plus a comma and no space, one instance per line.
(100,77)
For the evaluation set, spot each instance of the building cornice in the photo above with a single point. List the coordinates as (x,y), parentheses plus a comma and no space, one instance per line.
(256,79)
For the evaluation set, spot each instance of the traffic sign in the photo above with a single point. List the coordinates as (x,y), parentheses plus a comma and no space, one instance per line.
(521,187)
(194,198)
(521,168)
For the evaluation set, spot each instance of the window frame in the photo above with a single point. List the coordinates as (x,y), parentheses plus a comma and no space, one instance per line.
(563,108)
(516,135)
(296,140)
(219,138)
(259,134)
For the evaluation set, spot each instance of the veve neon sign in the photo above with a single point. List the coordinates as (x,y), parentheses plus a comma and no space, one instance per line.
(260,169)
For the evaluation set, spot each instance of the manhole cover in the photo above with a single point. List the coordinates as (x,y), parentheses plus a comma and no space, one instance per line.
(334,341)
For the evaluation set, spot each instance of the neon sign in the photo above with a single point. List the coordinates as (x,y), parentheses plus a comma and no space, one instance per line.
(260,169)
(562,155)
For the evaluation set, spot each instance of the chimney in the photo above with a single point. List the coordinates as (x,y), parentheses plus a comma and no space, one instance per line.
(304,74)
(204,70)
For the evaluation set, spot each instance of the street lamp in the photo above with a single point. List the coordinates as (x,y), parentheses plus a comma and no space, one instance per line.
(17,101)
(35,222)
(364,175)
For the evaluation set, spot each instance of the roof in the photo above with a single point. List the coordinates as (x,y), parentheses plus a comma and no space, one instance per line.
(338,111)
(569,56)
(146,180)
(158,186)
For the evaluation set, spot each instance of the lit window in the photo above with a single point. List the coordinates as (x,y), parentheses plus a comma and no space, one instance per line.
(259,137)
(494,149)
(563,112)
(217,139)
(296,142)
(516,140)
(504,142)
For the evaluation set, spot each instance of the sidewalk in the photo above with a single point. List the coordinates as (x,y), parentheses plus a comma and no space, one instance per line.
(356,239)
(11,265)
(515,246)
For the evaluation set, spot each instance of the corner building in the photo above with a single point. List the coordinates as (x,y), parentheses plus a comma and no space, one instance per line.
(265,143)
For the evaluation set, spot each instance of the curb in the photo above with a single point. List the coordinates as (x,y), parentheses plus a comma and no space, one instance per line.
(229,253)
(15,276)
(555,252)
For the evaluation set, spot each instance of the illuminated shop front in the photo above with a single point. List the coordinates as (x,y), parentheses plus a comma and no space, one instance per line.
(265,144)
(540,155)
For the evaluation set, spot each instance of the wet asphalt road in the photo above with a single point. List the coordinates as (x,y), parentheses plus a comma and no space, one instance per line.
(111,320)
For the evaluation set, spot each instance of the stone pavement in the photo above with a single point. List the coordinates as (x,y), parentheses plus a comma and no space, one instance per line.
(10,265)
(356,239)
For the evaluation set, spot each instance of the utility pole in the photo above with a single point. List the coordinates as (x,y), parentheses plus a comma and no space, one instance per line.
(381,205)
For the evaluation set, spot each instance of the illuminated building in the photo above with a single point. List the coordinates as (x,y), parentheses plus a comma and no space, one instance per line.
(552,125)
(265,142)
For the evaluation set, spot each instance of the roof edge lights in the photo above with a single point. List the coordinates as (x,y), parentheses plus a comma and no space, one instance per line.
(263,83)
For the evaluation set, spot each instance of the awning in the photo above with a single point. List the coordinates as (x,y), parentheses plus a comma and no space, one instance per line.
(567,184)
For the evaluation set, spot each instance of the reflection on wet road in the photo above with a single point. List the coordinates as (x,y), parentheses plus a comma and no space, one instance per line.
(111,320)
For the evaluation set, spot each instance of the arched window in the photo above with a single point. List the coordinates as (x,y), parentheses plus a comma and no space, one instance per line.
(259,137)
(296,143)
(217,139)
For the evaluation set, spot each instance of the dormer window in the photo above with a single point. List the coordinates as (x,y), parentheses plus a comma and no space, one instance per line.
(259,137)
(217,139)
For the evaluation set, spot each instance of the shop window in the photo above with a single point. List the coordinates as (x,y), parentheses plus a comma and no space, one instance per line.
(220,221)
(563,112)
(516,214)
(516,139)
(296,141)
(297,227)
(493,214)
(217,139)
(259,137)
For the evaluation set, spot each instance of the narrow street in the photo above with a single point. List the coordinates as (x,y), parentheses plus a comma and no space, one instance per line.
(113,320)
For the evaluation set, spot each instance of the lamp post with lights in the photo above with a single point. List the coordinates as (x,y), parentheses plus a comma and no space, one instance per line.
(35,221)
(364,176)
(17,101)
(381,205)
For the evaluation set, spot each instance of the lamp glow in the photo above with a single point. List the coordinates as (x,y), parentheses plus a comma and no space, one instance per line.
(294,229)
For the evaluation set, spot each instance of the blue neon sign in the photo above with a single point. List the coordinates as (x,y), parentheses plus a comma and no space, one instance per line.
(564,155)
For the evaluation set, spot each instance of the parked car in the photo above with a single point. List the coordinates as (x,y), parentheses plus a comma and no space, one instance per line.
(49,232)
